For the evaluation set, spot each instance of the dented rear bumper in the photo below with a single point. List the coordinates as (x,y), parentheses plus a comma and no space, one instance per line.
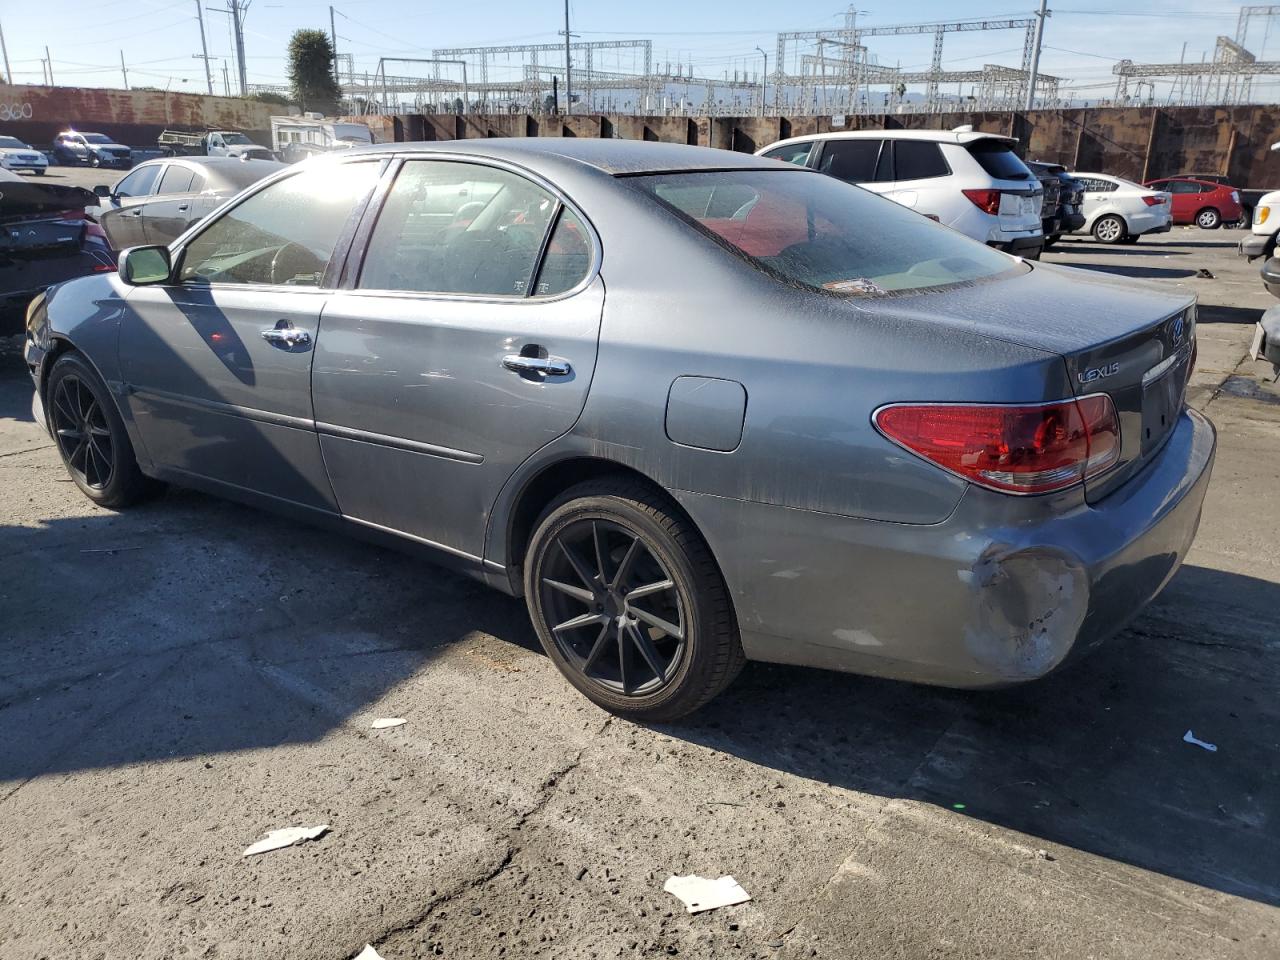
(1003,591)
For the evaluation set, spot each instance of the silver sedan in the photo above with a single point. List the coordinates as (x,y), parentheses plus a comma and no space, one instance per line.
(696,407)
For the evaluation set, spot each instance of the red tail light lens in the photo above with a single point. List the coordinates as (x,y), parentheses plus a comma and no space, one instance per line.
(1153,201)
(988,201)
(1013,449)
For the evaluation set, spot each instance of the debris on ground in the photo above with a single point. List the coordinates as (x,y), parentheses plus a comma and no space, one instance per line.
(699,893)
(1190,737)
(286,837)
(1205,273)
(1044,855)
(383,723)
(368,953)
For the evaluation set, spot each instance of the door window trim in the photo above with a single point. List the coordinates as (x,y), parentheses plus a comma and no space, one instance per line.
(359,247)
(328,282)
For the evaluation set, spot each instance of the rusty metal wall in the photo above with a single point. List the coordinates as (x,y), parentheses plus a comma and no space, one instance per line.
(1140,143)
(37,114)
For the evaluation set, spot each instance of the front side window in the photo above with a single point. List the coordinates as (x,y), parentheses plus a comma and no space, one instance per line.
(449,227)
(797,153)
(853,161)
(919,160)
(138,183)
(817,232)
(96,138)
(283,234)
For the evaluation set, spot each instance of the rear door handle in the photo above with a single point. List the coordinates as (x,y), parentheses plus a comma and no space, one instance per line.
(548,366)
(182,207)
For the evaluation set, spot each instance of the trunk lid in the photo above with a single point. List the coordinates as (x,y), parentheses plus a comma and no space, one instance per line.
(1133,343)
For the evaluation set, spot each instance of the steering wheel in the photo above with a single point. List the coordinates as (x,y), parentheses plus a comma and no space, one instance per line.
(291,260)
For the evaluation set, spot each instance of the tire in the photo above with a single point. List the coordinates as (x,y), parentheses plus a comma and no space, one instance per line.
(1050,240)
(617,652)
(1129,239)
(1109,229)
(103,466)
(38,173)
(1209,219)
(95,161)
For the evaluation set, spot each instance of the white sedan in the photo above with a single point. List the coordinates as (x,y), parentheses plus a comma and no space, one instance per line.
(17,156)
(1120,211)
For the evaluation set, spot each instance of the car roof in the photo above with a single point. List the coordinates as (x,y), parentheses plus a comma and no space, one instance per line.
(557,154)
(935,136)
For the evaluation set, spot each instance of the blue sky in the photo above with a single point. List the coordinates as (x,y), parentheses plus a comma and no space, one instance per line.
(159,37)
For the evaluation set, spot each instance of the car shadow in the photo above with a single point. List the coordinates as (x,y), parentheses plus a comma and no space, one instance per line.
(1137,273)
(1214,313)
(1089,248)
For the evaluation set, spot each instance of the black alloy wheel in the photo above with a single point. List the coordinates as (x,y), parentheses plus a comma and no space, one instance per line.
(83,434)
(91,437)
(628,601)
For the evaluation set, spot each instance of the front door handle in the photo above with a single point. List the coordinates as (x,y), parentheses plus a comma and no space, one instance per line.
(285,334)
(549,366)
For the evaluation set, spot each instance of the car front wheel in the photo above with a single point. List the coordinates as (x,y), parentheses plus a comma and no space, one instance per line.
(1109,229)
(1208,219)
(629,603)
(91,437)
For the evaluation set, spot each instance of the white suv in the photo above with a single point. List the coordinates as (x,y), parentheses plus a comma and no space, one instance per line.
(973,182)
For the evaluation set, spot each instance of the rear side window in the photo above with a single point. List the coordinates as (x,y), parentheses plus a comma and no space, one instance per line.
(450,227)
(918,160)
(176,179)
(797,153)
(568,256)
(1184,186)
(853,161)
(998,159)
(817,232)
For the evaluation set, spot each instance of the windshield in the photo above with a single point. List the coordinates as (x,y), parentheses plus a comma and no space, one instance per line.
(11,143)
(96,138)
(235,138)
(819,232)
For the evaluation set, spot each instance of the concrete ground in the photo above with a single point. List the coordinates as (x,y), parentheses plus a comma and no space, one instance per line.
(177,680)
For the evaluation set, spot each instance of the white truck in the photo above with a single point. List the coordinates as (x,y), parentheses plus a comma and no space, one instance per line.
(296,138)
(212,143)
(1265,225)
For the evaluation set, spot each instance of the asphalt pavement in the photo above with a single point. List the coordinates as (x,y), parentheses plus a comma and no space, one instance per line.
(179,679)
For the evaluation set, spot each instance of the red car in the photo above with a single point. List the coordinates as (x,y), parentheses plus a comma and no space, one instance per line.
(1208,205)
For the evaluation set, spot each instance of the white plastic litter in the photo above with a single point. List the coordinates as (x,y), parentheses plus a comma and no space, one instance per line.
(368,953)
(1190,737)
(699,893)
(287,837)
(385,722)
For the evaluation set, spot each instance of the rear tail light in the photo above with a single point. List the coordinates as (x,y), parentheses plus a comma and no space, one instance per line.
(988,201)
(1012,449)
(1153,201)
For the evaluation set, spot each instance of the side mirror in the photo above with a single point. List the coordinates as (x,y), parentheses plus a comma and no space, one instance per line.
(102,191)
(140,266)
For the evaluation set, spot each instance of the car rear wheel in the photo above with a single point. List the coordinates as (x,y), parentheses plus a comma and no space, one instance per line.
(1129,239)
(1109,229)
(629,603)
(1209,219)
(95,161)
(91,437)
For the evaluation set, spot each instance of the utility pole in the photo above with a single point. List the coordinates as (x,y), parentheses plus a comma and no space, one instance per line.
(333,42)
(764,80)
(237,11)
(1035,54)
(49,60)
(568,64)
(204,49)
(8,74)
(226,79)
(124,71)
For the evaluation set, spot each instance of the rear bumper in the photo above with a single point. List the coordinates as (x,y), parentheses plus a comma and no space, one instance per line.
(1021,246)
(1266,339)
(1072,222)
(1160,228)
(1011,589)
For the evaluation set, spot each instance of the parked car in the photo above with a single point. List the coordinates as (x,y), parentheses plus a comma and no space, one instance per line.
(18,157)
(1120,211)
(45,238)
(800,410)
(1250,197)
(972,182)
(1207,205)
(160,199)
(90,149)
(1266,335)
(214,143)
(1063,196)
(1261,241)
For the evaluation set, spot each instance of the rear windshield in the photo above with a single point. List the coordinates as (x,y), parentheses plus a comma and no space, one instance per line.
(819,232)
(998,159)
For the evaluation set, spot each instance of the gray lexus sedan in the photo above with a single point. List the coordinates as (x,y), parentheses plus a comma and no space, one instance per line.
(696,407)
